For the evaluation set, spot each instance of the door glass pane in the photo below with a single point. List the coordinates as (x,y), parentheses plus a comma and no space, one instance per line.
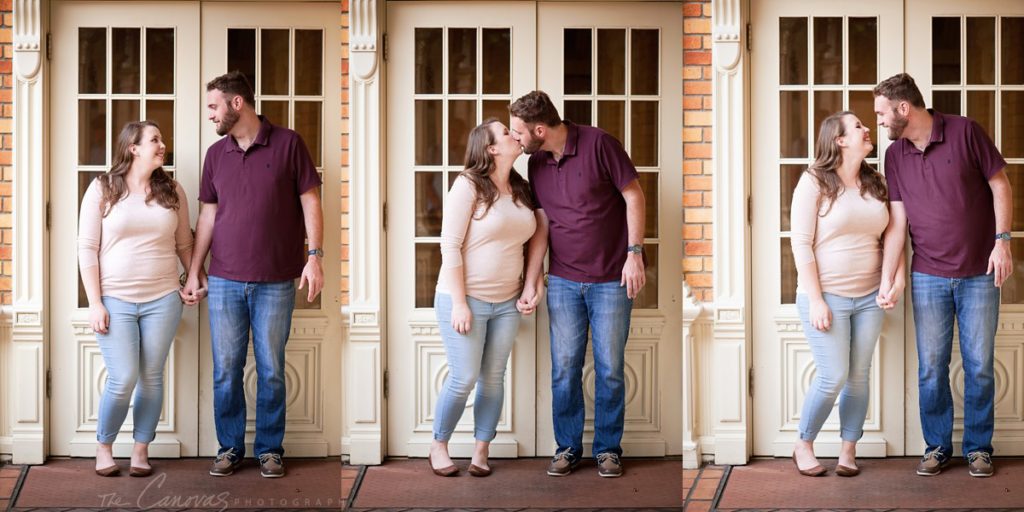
(643,147)
(308,124)
(242,53)
(92,132)
(645,61)
(649,184)
(792,51)
(275,111)
(122,113)
(611,117)
(789,177)
(461,60)
(274,53)
(578,111)
(577,61)
(1013,124)
(1012,291)
(828,50)
(160,61)
(787,272)
(125,60)
(826,103)
(497,60)
(309,62)
(461,119)
(862,103)
(1012,37)
(611,61)
(428,132)
(428,203)
(428,266)
(1015,172)
(84,180)
(793,124)
(981,107)
(162,111)
(429,52)
(648,296)
(497,109)
(92,60)
(863,48)
(945,50)
(981,47)
(946,101)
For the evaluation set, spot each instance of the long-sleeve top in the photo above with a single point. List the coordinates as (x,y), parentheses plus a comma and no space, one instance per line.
(488,247)
(136,245)
(846,242)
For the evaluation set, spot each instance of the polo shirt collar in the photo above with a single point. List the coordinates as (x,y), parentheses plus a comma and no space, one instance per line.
(571,139)
(262,137)
(938,132)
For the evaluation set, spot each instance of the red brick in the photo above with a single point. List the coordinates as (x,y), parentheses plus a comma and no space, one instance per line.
(692,9)
(692,199)
(696,26)
(693,183)
(692,57)
(693,42)
(693,232)
(691,265)
(696,118)
(5,5)
(708,103)
(692,167)
(696,150)
(701,281)
(709,264)
(689,134)
(693,102)
(697,87)
(698,249)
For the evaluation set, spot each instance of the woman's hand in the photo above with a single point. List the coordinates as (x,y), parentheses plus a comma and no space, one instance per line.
(462,318)
(821,315)
(99,319)
(530,299)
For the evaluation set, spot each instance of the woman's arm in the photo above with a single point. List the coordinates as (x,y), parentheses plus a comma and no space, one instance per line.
(804,225)
(458,212)
(90,235)
(536,248)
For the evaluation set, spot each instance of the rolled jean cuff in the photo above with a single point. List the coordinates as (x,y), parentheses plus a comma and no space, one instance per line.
(485,435)
(143,437)
(106,439)
(851,436)
(438,436)
(807,436)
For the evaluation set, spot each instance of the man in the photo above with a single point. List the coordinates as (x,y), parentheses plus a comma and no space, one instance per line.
(259,190)
(946,179)
(589,199)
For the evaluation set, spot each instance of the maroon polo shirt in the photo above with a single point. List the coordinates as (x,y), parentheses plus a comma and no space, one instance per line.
(582,196)
(259,233)
(946,194)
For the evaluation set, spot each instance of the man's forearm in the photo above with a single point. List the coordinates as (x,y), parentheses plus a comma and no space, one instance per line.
(313,215)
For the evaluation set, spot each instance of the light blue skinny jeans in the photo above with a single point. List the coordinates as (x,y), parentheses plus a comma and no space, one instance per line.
(134,351)
(477,358)
(842,357)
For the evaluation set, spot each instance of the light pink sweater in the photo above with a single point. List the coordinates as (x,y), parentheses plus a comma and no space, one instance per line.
(489,249)
(846,243)
(136,245)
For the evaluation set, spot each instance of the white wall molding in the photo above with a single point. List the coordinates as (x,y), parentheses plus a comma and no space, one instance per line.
(27,400)
(363,385)
(695,325)
(730,353)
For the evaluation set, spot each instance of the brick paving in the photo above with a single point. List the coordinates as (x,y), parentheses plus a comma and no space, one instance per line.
(702,487)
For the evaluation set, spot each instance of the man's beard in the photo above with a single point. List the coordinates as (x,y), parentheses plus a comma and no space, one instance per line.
(899,123)
(533,146)
(229,121)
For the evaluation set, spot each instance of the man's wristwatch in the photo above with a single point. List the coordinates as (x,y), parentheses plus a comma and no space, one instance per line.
(1003,236)
(635,249)
(319,253)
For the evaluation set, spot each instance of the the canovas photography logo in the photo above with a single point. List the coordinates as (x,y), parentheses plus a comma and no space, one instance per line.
(155,496)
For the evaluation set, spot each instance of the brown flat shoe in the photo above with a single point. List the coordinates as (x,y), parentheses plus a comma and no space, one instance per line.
(109,471)
(818,470)
(446,471)
(842,470)
(137,471)
(478,471)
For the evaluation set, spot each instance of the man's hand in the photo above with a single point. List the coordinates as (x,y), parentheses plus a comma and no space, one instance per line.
(889,294)
(633,276)
(194,289)
(530,298)
(1000,261)
(312,274)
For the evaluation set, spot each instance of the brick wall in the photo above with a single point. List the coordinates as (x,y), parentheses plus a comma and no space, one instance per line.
(344,141)
(697,194)
(6,148)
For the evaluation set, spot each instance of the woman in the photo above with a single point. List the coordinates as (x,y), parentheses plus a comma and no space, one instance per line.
(839,214)
(488,216)
(133,230)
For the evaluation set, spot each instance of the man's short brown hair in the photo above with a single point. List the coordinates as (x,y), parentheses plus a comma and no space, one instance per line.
(233,84)
(535,107)
(900,87)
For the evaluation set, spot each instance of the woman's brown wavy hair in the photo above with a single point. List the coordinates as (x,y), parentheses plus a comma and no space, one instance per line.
(479,165)
(162,188)
(828,157)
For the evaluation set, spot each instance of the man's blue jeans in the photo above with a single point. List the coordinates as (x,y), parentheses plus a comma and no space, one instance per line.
(974,303)
(266,308)
(603,309)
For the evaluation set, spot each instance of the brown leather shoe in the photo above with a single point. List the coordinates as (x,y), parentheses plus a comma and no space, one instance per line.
(445,471)
(842,470)
(818,470)
(478,471)
(109,471)
(140,472)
